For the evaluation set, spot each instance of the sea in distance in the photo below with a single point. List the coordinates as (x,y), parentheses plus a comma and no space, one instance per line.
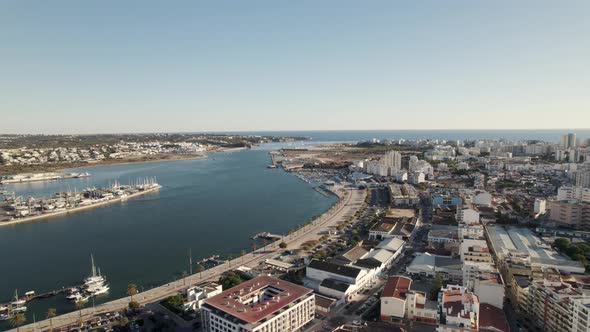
(209,206)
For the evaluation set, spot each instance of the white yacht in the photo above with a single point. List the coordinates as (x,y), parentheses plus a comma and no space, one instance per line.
(73,296)
(102,289)
(81,298)
(17,302)
(95,277)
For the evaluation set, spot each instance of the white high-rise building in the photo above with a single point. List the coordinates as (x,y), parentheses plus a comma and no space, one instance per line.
(575,192)
(583,178)
(540,205)
(393,160)
(568,141)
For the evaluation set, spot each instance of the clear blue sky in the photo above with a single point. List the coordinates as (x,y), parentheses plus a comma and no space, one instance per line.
(141,66)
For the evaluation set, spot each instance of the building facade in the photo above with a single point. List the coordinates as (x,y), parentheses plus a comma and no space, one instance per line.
(263,304)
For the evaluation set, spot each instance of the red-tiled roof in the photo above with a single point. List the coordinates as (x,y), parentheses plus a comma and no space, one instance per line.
(397,287)
(230,301)
(492,317)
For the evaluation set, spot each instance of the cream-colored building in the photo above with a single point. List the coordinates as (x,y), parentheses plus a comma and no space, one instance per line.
(263,304)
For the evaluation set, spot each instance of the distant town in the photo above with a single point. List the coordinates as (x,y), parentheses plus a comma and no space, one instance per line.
(34,153)
(427,235)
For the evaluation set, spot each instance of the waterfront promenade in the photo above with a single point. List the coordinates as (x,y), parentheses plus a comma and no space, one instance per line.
(350,201)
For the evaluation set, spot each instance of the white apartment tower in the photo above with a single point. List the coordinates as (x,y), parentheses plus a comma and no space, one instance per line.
(393,160)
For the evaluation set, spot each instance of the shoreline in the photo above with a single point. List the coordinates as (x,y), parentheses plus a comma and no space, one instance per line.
(131,162)
(177,157)
(77,209)
(313,230)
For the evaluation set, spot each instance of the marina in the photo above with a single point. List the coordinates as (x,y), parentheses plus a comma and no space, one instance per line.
(94,285)
(17,209)
(35,177)
(126,238)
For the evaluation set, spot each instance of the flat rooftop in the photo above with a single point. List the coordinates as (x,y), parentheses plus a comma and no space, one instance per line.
(523,243)
(258,298)
(400,213)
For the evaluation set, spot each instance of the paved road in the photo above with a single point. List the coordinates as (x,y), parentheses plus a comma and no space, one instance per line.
(348,205)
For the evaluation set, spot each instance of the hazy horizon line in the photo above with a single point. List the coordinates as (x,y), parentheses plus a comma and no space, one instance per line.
(293,130)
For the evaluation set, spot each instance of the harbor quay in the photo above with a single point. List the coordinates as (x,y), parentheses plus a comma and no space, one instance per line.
(350,201)
(17,210)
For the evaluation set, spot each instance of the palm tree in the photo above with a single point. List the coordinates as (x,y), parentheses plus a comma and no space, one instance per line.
(51,312)
(80,305)
(131,290)
(184,275)
(18,320)
(199,269)
(243,254)
(253,246)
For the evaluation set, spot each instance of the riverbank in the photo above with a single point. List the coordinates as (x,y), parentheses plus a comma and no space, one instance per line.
(78,208)
(350,201)
(61,167)
(15,170)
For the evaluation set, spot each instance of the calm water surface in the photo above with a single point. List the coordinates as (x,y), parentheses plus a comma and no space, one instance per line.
(211,206)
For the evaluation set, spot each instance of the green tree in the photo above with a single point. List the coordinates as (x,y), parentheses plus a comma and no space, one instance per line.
(436,286)
(175,301)
(17,320)
(283,245)
(123,321)
(133,305)
(51,312)
(199,269)
(230,280)
(131,290)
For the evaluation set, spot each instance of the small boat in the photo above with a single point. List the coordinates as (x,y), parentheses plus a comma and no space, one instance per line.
(17,302)
(19,309)
(73,296)
(271,166)
(81,298)
(4,317)
(73,290)
(100,290)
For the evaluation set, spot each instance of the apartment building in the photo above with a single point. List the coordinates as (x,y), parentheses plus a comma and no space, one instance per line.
(550,305)
(570,213)
(263,304)
(458,310)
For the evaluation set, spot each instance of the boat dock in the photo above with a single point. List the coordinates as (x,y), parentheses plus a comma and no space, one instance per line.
(37,177)
(31,295)
(17,209)
(267,236)
(208,259)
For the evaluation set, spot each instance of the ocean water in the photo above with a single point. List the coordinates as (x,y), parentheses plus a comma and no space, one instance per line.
(548,135)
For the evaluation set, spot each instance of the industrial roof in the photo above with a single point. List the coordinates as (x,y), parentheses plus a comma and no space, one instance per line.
(347,271)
